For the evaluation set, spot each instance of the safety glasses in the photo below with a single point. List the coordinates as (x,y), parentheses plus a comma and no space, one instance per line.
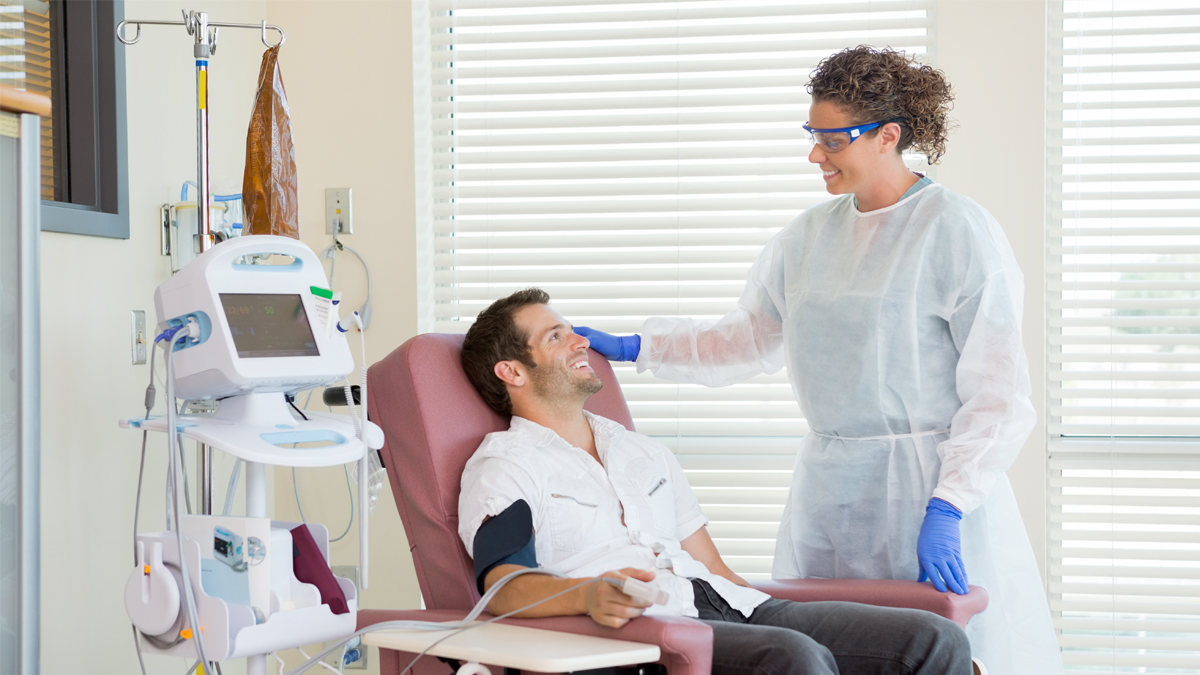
(836,140)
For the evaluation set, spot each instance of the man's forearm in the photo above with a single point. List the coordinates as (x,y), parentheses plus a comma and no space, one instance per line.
(730,575)
(700,546)
(529,588)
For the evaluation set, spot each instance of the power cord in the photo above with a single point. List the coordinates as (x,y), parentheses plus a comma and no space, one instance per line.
(149,401)
(344,326)
(349,488)
(175,458)
(330,253)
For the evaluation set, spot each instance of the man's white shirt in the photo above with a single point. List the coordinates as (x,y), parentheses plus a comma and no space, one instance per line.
(631,512)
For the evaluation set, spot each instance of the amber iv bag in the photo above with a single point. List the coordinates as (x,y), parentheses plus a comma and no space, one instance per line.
(269,189)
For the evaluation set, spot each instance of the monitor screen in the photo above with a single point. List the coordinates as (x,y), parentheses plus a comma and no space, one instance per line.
(269,325)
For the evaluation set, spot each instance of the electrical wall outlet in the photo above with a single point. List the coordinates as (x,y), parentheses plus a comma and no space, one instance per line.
(140,344)
(346,572)
(339,211)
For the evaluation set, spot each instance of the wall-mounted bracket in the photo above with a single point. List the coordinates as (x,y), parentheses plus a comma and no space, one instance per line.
(164,227)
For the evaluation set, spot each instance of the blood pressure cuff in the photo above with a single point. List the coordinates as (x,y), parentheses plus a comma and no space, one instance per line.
(505,539)
(309,565)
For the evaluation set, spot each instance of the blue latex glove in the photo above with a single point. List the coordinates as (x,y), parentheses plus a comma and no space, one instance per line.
(939,548)
(614,348)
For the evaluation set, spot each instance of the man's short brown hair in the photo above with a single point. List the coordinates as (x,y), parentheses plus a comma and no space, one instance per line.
(494,338)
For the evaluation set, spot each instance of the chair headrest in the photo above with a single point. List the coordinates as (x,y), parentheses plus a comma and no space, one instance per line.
(433,420)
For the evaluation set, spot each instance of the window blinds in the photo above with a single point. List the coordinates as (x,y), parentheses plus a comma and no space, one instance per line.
(632,159)
(1124,276)
(25,64)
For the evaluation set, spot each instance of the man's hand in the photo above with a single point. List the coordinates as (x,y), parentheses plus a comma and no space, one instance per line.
(608,606)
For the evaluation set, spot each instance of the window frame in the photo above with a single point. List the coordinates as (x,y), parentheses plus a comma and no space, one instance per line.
(98,161)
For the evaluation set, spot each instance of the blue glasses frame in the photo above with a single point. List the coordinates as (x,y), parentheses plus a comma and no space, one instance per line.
(854,132)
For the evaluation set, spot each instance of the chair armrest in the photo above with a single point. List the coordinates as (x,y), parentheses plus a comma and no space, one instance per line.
(881,592)
(685,644)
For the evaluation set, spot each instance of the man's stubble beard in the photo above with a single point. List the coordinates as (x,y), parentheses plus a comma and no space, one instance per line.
(556,386)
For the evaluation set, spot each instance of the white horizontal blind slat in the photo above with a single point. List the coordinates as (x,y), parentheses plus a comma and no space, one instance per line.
(1124,259)
(632,159)
(1125,555)
(1124,334)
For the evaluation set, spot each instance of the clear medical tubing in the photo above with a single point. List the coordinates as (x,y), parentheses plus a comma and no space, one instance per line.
(175,458)
(363,464)
(464,624)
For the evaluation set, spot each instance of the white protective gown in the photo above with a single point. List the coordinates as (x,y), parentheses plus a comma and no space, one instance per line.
(901,332)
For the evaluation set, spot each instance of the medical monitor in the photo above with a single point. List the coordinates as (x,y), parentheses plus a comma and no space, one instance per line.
(262,327)
(266,325)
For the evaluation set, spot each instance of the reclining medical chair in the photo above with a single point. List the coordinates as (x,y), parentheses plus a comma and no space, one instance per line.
(433,420)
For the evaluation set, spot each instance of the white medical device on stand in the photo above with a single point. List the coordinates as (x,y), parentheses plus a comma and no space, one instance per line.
(254,334)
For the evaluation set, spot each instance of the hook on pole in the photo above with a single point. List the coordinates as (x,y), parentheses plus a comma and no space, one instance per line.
(277,29)
(206,32)
(136,36)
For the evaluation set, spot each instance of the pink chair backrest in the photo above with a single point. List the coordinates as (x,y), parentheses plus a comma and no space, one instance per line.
(433,420)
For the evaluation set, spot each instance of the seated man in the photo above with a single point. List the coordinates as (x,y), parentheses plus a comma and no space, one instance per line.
(579,494)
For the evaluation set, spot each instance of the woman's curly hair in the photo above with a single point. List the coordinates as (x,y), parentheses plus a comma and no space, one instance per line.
(885,84)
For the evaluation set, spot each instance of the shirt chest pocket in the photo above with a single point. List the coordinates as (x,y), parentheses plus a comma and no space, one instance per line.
(650,486)
(576,514)
(656,490)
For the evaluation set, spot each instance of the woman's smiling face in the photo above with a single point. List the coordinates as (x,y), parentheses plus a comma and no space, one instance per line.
(856,166)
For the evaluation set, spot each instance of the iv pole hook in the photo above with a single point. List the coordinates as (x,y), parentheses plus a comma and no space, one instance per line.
(195,21)
(129,41)
(282,37)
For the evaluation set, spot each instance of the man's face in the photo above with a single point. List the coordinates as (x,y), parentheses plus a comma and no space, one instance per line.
(561,356)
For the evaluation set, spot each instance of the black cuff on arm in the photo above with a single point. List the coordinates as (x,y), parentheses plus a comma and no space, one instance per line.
(505,539)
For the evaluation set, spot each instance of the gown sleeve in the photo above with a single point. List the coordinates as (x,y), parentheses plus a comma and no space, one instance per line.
(745,342)
(992,378)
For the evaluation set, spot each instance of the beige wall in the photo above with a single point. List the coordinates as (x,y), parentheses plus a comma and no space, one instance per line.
(994,52)
(348,76)
(89,286)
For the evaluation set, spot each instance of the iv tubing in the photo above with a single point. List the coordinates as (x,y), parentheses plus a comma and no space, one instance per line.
(229,491)
(466,623)
(174,459)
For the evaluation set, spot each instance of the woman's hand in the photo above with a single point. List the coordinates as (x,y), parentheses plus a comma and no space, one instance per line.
(939,548)
(608,606)
(612,347)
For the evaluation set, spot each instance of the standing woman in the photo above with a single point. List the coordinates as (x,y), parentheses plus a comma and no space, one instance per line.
(897,309)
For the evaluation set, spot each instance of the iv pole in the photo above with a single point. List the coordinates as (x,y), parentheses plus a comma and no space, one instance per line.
(206,32)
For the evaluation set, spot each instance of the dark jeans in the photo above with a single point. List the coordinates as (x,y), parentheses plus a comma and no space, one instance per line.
(824,638)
